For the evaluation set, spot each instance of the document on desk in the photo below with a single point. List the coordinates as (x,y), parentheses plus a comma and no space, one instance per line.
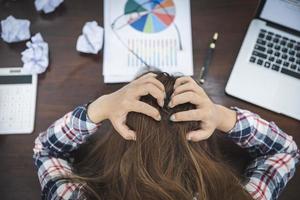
(146,33)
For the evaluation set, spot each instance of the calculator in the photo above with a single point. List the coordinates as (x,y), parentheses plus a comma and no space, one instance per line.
(18,92)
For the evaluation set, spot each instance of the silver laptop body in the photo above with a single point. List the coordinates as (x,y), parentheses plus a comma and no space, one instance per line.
(267,69)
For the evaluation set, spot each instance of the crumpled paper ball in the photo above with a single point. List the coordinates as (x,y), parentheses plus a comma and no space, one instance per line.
(91,40)
(36,56)
(15,30)
(47,6)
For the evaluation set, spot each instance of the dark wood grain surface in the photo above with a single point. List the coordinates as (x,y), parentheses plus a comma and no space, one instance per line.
(73,79)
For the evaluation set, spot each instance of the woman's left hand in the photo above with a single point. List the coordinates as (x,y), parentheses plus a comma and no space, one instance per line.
(211,116)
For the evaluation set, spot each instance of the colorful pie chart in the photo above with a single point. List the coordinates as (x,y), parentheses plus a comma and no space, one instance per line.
(150,16)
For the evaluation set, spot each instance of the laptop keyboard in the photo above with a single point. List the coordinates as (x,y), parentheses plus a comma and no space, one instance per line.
(277,53)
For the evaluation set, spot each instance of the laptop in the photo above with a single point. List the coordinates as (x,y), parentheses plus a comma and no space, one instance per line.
(267,69)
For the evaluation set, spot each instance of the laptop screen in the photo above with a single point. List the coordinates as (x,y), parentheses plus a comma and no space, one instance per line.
(283,12)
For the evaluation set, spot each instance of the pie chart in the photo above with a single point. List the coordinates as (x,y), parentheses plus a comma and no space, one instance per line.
(150,16)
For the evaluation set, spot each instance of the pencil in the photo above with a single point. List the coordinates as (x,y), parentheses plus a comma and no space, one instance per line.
(208,58)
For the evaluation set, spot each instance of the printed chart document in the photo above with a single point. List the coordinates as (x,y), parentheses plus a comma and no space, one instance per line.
(146,33)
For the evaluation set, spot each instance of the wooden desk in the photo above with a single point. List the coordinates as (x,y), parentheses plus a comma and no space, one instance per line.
(73,79)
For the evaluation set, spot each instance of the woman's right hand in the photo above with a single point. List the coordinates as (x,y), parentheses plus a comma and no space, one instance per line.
(117,105)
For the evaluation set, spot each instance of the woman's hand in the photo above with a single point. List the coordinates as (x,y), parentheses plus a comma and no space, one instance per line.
(117,105)
(212,116)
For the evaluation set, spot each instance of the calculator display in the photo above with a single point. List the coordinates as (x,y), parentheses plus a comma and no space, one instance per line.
(22,79)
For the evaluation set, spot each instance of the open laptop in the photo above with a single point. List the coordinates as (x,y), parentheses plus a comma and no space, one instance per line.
(267,69)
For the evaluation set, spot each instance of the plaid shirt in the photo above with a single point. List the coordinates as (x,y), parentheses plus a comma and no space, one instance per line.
(275,154)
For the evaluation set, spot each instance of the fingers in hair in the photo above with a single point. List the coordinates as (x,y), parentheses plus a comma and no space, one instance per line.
(187,97)
(183,80)
(144,108)
(189,115)
(188,87)
(151,89)
(155,82)
(124,130)
(198,135)
(147,76)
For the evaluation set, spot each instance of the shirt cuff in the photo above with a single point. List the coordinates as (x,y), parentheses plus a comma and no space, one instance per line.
(81,123)
(241,121)
(87,116)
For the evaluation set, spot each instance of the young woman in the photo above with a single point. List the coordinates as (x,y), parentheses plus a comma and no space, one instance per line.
(162,147)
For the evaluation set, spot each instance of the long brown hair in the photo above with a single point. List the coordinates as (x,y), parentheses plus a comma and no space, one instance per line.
(160,164)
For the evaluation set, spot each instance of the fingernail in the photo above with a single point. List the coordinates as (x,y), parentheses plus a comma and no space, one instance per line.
(159,118)
(161,103)
(170,104)
(188,137)
(172,118)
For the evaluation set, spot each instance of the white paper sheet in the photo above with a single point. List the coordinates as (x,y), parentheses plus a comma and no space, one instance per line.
(149,30)
(15,30)
(91,40)
(47,6)
(36,56)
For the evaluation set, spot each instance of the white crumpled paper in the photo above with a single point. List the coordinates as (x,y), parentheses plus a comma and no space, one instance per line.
(91,40)
(47,6)
(36,56)
(15,30)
